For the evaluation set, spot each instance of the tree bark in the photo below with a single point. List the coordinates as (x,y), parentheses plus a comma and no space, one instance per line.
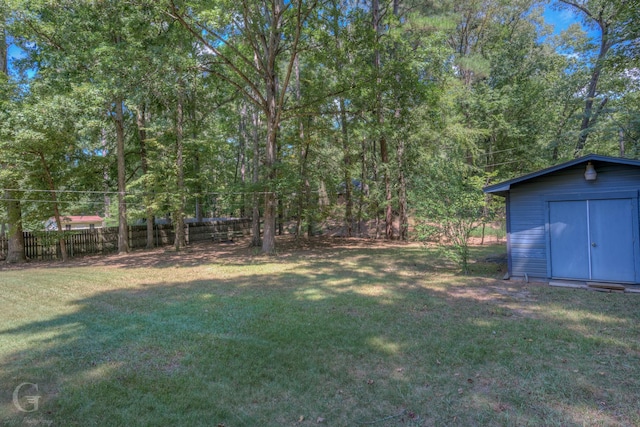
(180,240)
(262,27)
(348,186)
(621,142)
(15,252)
(123,229)
(403,230)
(241,162)
(363,190)
(589,116)
(304,199)
(272,110)
(303,155)
(56,210)
(346,149)
(280,201)
(141,120)
(402,193)
(384,151)
(195,132)
(256,238)
(269,242)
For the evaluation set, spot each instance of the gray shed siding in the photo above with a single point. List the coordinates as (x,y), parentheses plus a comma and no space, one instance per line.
(528,213)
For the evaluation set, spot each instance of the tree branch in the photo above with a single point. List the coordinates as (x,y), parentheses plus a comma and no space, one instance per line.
(294,49)
(256,94)
(579,7)
(595,116)
(248,95)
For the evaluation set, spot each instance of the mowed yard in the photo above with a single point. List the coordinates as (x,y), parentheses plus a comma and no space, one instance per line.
(335,332)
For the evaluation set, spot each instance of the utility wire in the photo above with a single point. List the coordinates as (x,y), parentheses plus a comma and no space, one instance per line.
(501,151)
(130,193)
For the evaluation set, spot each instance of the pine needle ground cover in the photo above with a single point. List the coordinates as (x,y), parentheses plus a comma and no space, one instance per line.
(338,333)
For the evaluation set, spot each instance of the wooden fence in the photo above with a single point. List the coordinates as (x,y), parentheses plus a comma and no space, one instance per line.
(44,245)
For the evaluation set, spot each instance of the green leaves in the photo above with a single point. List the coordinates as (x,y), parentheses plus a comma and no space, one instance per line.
(449,204)
(307,98)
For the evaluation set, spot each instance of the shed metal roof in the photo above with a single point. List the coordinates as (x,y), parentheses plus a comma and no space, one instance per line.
(503,188)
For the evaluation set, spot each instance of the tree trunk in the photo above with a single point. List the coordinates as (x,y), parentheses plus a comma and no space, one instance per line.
(348,186)
(303,154)
(105,174)
(388,211)
(403,229)
(402,193)
(56,211)
(123,229)
(376,200)
(307,191)
(363,187)
(304,190)
(195,131)
(141,121)
(304,202)
(180,240)
(272,108)
(384,151)
(15,252)
(280,201)
(269,240)
(256,239)
(621,142)
(264,24)
(590,117)
(346,149)
(240,172)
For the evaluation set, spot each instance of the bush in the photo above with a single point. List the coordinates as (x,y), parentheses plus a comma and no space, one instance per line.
(449,204)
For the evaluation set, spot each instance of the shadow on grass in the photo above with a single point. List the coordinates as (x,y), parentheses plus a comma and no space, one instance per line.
(354,336)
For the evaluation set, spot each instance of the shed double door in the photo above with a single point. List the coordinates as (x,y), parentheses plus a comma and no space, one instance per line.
(592,240)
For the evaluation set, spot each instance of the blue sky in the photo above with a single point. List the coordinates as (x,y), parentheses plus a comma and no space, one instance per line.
(13,53)
(560,19)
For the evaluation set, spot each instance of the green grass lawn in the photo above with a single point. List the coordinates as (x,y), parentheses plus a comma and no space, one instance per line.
(340,334)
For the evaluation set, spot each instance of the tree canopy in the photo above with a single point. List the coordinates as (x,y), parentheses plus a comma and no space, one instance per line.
(300,112)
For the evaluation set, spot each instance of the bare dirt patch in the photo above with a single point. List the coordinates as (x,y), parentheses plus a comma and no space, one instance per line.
(207,252)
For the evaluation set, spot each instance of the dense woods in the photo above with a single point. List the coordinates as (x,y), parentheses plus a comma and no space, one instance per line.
(369,113)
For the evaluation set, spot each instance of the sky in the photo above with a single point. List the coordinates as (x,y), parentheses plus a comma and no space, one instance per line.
(13,53)
(560,19)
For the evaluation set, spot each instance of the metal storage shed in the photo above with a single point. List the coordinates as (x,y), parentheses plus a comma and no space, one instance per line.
(576,221)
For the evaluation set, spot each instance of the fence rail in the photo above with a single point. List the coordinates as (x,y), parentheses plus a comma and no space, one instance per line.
(44,245)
